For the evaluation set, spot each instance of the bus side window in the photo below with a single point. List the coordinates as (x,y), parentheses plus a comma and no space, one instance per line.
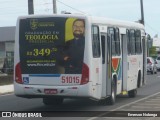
(111,34)
(128,42)
(103,48)
(138,42)
(108,48)
(95,41)
(117,42)
(132,42)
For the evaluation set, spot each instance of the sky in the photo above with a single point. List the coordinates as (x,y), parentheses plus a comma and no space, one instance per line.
(117,9)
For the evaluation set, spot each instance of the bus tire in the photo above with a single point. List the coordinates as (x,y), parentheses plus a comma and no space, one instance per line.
(52,101)
(139,80)
(132,93)
(152,72)
(112,99)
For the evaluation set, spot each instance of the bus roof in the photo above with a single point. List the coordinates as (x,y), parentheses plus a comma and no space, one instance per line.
(113,22)
(93,19)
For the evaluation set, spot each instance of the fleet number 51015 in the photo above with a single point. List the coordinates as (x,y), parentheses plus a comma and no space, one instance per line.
(70,79)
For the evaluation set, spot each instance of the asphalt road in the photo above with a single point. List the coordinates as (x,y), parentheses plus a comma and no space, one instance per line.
(12,103)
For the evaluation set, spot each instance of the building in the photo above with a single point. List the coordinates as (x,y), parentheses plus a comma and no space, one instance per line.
(7,38)
(156,43)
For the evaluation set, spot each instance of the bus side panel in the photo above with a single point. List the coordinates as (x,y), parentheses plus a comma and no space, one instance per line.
(132,72)
(16,49)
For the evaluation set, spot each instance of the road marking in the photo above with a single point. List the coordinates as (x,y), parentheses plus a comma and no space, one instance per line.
(141,107)
(156,107)
(149,104)
(155,99)
(158,97)
(149,101)
(126,109)
(116,118)
(93,118)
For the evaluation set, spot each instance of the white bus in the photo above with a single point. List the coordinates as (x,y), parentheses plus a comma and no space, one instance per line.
(77,56)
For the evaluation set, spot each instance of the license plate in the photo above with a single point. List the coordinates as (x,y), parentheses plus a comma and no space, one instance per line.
(50,91)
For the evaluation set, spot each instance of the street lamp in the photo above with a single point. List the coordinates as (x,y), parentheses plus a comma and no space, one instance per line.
(30,7)
(54,7)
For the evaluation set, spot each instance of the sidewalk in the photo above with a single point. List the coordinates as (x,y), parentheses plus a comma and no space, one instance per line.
(6,89)
(6,84)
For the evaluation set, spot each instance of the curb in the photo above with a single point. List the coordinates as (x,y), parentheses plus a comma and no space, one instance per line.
(6,89)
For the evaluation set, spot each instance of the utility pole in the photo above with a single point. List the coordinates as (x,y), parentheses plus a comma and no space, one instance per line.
(54,7)
(30,7)
(142,12)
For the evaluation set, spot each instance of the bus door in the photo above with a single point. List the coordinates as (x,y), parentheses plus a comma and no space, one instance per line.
(110,37)
(104,63)
(144,49)
(124,58)
(96,63)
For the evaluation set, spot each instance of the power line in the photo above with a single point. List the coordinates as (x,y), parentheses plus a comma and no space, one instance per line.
(6,1)
(13,8)
(153,29)
(18,7)
(22,13)
(15,11)
(71,7)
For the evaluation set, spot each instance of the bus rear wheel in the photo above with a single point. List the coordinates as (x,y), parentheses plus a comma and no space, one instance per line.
(52,101)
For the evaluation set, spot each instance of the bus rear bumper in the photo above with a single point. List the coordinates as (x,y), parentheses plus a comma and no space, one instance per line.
(39,91)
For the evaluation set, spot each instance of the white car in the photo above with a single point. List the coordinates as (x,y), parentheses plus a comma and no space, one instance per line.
(151,65)
(158,62)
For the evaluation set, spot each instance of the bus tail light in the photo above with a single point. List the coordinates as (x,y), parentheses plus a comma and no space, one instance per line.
(85,74)
(18,74)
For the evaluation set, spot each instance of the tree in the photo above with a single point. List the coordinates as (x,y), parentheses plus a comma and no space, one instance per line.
(152,51)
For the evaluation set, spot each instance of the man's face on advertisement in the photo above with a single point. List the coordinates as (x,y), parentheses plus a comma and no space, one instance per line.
(78,29)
